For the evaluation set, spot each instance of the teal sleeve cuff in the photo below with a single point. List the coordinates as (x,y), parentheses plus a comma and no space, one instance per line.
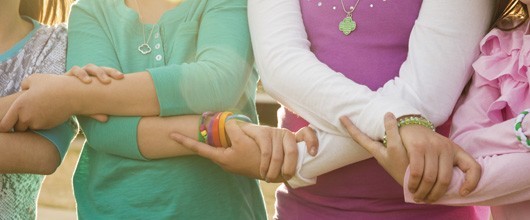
(118,136)
(61,136)
(170,97)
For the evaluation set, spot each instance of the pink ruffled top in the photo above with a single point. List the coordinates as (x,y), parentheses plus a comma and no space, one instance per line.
(504,65)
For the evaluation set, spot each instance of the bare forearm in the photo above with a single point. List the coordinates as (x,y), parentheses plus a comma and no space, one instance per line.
(27,152)
(134,95)
(153,135)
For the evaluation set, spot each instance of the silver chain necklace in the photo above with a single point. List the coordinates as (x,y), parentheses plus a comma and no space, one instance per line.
(144,48)
(348,25)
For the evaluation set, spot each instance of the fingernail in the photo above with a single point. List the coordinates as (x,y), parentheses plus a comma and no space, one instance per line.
(267,180)
(465,192)
(313,151)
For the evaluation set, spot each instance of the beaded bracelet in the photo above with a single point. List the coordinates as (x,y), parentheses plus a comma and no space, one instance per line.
(412,120)
(521,136)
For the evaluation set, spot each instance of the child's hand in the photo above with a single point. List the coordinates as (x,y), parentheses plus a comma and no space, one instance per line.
(43,106)
(309,136)
(393,157)
(279,151)
(257,151)
(432,158)
(103,74)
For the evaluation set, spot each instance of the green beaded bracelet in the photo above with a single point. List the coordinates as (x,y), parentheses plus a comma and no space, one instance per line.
(415,120)
(412,120)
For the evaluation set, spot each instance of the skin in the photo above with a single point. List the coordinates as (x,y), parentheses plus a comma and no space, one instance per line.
(48,100)
(395,160)
(22,152)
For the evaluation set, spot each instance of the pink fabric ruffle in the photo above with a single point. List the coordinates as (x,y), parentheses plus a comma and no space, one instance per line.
(503,63)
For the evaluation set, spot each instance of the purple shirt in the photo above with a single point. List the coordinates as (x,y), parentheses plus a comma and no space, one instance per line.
(371,55)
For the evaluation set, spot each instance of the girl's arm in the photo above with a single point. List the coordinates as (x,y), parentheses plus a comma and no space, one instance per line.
(443,44)
(27,152)
(221,72)
(37,152)
(483,132)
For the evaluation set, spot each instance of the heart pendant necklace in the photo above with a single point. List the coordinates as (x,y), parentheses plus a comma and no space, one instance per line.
(144,48)
(348,25)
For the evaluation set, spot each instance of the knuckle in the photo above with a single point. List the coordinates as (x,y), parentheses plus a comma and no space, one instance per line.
(444,183)
(429,179)
(291,151)
(414,174)
(266,154)
(276,159)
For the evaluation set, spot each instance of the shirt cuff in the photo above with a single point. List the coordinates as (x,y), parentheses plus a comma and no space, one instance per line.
(61,136)
(409,197)
(168,92)
(298,180)
(118,136)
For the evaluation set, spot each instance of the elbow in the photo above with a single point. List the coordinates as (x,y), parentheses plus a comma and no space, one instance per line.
(49,164)
(48,170)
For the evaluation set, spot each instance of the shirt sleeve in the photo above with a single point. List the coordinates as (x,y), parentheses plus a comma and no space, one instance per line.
(61,136)
(118,135)
(502,182)
(222,67)
(443,44)
(491,140)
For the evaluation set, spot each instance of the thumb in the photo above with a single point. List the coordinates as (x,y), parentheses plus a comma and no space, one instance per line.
(100,117)
(201,149)
(9,120)
(375,148)
(309,136)
(471,169)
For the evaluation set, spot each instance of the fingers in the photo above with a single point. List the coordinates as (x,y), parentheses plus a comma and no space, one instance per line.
(100,117)
(113,73)
(277,156)
(375,148)
(98,72)
(201,149)
(291,155)
(445,175)
(417,163)
(80,73)
(263,137)
(471,168)
(430,175)
(308,135)
(103,74)
(9,120)
(392,132)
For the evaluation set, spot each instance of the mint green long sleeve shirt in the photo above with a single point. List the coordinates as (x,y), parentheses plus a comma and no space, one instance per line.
(201,60)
